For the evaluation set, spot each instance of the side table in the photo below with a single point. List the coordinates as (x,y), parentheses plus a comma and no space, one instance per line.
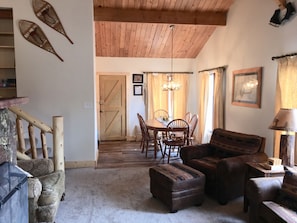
(256,170)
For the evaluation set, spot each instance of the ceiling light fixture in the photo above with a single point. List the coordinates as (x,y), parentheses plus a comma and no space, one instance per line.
(170,85)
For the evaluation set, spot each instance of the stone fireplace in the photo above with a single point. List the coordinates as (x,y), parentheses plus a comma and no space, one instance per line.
(8,145)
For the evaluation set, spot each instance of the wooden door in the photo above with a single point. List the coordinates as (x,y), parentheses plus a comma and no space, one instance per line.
(112,107)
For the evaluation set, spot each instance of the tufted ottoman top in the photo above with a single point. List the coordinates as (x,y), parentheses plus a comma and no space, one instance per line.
(177,176)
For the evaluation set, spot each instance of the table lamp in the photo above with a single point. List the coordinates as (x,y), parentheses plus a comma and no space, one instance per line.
(286,120)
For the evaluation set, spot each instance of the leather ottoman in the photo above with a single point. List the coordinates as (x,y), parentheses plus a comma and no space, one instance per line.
(177,185)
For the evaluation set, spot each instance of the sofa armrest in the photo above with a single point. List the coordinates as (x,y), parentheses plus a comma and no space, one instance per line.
(231,174)
(259,190)
(34,188)
(37,167)
(263,189)
(195,152)
(54,182)
(237,165)
(53,189)
(241,160)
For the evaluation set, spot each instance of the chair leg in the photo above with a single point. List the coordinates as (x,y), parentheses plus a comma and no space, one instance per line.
(178,150)
(169,154)
(146,147)
(161,148)
(164,153)
(142,145)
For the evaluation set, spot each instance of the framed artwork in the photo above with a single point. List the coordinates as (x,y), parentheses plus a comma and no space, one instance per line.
(137,78)
(137,90)
(247,84)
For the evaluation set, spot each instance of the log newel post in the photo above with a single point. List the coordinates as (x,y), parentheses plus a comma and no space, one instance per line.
(20,133)
(58,143)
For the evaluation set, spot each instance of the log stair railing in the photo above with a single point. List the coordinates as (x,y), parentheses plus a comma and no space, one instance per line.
(57,131)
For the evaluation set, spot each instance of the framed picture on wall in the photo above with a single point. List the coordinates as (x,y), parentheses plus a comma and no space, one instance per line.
(137,78)
(247,84)
(137,89)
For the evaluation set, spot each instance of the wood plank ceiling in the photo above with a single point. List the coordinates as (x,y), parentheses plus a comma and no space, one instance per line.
(140,28)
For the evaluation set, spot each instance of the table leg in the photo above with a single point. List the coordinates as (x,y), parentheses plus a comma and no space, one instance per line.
(155,143)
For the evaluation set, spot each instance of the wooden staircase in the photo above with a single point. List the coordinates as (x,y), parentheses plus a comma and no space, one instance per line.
(34,125)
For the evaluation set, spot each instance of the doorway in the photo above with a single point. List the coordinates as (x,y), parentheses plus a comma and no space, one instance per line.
(111,109)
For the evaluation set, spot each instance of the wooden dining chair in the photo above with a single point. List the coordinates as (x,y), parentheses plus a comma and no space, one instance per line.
(188,117)
(161,114)
(192,126)
(177,134)
(147,137)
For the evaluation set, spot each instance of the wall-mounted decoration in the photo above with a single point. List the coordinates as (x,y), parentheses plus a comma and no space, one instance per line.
(137,78)
(283,14)
(47,14)
(247,87)
(34,34)
(137,89)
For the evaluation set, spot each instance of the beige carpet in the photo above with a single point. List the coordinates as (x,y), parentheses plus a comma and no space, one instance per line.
(123,196)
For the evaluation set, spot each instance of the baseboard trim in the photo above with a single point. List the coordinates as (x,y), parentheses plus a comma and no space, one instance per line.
(79,164)
(136,138)
(130,138)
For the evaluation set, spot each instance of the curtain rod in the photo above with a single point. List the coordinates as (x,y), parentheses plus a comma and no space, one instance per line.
(224,67)
(287,55)
(167,72)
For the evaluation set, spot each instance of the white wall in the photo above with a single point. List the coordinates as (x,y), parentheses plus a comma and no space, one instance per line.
(67,88)
(249,41)
(135,104)
(60,88)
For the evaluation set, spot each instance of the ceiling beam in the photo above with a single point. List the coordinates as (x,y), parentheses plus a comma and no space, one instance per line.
(155,16)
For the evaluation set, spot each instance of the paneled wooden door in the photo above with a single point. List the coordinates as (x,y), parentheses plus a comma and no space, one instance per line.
(111,109)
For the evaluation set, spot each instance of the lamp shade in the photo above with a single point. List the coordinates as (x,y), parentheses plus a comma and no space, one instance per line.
(285,120)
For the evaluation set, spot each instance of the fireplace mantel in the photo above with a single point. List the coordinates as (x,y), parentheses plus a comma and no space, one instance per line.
(8,102)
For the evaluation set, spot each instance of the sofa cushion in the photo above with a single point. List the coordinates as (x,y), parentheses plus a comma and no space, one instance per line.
(208,166)
(52,184)
(228,143)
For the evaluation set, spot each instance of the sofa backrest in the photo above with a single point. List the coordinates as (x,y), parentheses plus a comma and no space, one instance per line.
(235,143)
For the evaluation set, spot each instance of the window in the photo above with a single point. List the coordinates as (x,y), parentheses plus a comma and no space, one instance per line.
(159,99)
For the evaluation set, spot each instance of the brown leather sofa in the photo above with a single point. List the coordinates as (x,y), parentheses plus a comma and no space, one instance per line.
(272,199)
(223,159)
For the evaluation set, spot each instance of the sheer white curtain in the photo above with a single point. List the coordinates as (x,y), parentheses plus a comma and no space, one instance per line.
(180,96)
(204,102)
(211,110)
(219,98)
(158,99)
(286,91)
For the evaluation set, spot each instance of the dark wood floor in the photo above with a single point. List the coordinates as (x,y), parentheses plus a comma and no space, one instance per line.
(127,154)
